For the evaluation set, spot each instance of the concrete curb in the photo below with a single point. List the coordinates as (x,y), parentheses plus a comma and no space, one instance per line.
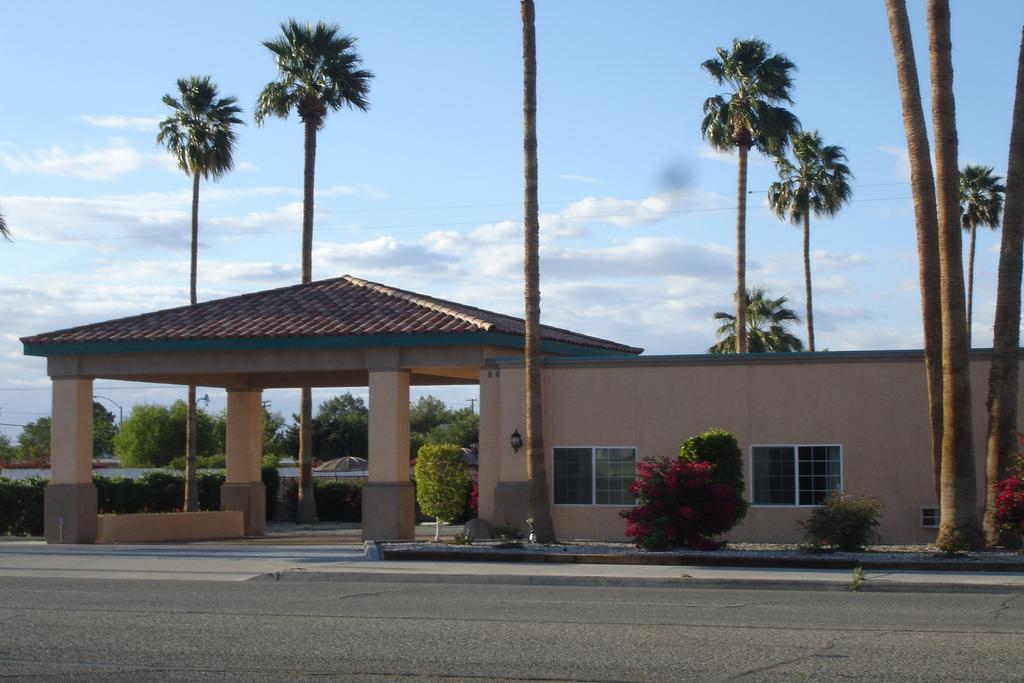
(701,560)
(867,586)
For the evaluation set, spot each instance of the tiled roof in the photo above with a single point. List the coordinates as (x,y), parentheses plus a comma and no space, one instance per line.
(344,306)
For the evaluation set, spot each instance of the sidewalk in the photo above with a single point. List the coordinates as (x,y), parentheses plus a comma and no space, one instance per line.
(264,561)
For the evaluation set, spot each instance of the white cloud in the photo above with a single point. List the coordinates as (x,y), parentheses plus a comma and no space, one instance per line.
(143,123)
(902,159)
(380,257)
(589,180)
(104,163)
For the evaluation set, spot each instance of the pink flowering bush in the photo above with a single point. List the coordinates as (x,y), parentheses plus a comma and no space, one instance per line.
(1010,499)
(679,503)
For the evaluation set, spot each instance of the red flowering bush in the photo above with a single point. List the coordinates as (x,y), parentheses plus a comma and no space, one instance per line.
(1010,499)
(679,503)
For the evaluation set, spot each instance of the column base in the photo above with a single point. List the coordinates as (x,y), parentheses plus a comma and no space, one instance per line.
(389,511)
(250,499)
(69,513)
(511,505)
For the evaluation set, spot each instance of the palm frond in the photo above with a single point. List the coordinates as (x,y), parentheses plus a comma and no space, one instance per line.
(199,133)
(5,232)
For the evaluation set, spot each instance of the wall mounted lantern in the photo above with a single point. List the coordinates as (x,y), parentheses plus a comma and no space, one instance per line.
(516,441)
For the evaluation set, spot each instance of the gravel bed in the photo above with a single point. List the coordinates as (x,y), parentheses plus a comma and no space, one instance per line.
(907,553)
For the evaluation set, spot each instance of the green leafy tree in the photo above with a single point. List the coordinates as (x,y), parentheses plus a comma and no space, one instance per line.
(319,71)
(766,321)
(34,441)
(104,429)
(748,117)
(7,450)
(441,482)
(461,428)
(153,435)
(273,428)
(818,182)
(340,428)
(981,203)
(200,134)
(426,413)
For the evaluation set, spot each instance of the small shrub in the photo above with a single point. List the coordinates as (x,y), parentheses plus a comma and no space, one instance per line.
(954,544)
(679,504)
(161,491)
(1009,513)
(208,485)
(461,539)
(843,521)
(721,449)
(441,482)
(506,532)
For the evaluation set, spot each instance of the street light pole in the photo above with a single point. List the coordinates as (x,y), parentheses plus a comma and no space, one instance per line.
(120,410)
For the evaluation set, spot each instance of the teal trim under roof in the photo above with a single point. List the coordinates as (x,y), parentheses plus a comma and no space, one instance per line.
(335,342)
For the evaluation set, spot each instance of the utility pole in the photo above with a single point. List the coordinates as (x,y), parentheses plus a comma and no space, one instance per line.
(472,404)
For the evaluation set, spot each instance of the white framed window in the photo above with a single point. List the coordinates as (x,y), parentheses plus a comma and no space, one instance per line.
(795,475)
(593,475)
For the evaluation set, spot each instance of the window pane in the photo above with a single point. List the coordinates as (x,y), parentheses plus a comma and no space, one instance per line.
(573,476)
(773,475)
(819,473)
(616,470)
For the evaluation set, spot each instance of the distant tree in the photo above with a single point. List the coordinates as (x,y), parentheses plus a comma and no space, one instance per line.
(319,72)
(340,428)
(818,182)
(153,435)
(461,428)
(981,203)
(441,483)
(104,429)
(426,413)
(7,451)
(273,428)
(767,321)
(748,117)
(34,441)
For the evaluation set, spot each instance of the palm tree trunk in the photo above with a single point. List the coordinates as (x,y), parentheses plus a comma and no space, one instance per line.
(970,281)
(306,511)
(807,280)
(741,251)
(191,439)
(1002,383)
(959,496)
(925,221)
(538,505)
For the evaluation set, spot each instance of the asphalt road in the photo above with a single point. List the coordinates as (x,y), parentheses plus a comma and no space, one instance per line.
(87,630)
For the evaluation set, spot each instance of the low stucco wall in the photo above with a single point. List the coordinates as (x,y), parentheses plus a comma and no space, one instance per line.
(169,526)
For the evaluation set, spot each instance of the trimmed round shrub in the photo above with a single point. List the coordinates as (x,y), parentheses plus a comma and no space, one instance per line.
(442,484)
(845,522)
(679,503)
(721,449)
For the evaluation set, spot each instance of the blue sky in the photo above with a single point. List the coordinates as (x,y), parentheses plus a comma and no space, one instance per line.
(424,191)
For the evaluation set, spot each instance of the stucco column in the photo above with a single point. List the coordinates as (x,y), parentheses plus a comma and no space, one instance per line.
(489,443)
(389,500)
(69,502)
(243,489)
(512,491)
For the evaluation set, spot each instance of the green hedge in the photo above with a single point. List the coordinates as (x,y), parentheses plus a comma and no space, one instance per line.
(21,506)
(336,500)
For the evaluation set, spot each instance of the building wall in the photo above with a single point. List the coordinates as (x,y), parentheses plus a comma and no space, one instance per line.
(872,404)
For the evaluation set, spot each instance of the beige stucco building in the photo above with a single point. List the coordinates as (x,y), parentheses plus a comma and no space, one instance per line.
(808,424)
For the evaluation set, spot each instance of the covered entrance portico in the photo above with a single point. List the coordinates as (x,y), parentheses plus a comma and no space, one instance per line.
(343,332)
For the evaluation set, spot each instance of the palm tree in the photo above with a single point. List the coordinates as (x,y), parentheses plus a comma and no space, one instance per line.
(817,183)
(1002,384)
(749,118)
(925,220)
(981,202)
(958,500)
(766,322)
(319,73)
(200,134)
(538,505)
(4,232)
